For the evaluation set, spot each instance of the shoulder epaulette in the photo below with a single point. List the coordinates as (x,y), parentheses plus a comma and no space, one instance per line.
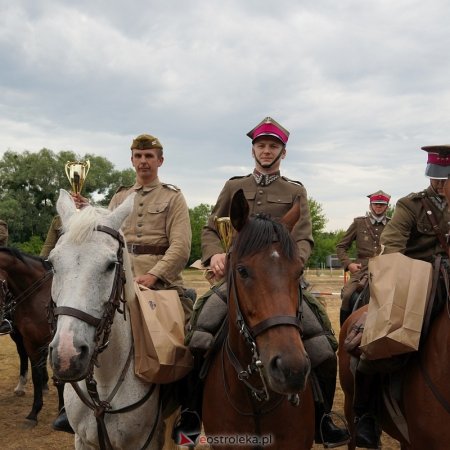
(123,188)
(171,186)
(292,181)
(417,195)
(237,177)
(360,218)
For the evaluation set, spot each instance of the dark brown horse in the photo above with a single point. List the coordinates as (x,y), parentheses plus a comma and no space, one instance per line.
(425,393)
(257,391)
(24,297)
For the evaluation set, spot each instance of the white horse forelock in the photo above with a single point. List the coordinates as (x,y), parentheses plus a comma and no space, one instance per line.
(81,225)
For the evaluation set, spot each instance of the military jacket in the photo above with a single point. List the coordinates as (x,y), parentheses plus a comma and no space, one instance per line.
(367,240)
(410,231)
(160,217)
(53,234)
(3,233)
(275,199)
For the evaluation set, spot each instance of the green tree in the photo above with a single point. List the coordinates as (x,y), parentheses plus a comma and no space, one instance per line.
(30,183)
(198,216)
(318,218)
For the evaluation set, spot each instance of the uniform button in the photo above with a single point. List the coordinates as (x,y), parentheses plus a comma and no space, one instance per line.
(140,215)
(139,235)
(258,203)
(261,192)
(141,204)
(139,224)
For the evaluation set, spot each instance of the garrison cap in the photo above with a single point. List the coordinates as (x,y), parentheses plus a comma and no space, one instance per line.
(379,197)
(269,127)
(146,142)
(438,163)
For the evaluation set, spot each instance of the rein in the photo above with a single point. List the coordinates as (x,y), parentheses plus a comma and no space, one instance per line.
(249,334)
(103,330)
(11,301)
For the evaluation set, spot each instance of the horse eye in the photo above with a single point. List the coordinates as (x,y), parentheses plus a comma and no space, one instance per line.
(111,266)
(242,271)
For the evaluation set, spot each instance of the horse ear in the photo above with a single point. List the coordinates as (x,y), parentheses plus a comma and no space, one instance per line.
(119,214)
(65,206)
(239,210)
(293,215)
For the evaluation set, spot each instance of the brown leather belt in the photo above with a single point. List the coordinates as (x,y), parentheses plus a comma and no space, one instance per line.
(143,249)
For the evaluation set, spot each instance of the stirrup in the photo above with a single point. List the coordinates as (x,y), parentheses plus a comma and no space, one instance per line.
(6,323)
(344,422)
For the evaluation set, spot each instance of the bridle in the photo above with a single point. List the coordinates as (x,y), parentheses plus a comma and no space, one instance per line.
(10,301)
(102,331)
(250,334)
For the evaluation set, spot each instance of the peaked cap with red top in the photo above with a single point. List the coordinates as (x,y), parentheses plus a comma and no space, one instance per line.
(438,163)
(379,197)
(269,127)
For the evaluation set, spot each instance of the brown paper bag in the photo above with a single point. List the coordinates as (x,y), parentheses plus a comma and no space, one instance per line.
(157,321)
(399,291)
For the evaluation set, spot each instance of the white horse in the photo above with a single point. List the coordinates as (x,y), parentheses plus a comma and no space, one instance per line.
(107,405)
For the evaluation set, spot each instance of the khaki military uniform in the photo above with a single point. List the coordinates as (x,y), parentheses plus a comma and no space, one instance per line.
(410,231)
(160,218)
(275,199)
(53,234)
(160,222)
(366,236)
(3,233)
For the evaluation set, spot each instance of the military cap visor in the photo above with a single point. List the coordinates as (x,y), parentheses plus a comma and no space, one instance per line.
(146,142)
(438,162)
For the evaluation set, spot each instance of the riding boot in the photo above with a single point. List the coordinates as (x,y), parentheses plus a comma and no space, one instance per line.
(61,423)
(189,424)
(5,327)
(327,432)
(367,429)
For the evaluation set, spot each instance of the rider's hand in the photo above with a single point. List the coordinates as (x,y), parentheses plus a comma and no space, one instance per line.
(354,267)
(80,201)
(147,280)
(218,264)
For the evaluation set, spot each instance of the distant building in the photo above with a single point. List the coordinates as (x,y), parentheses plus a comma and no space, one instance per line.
(332,262)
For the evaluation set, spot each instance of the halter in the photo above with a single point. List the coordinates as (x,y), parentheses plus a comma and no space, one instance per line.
(250,333)
(102,332)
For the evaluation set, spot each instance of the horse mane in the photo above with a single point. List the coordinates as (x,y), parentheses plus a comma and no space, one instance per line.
(82,224)
(22,256)
(259,233)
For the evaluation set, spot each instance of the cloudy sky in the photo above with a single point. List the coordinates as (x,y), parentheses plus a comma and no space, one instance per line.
(360,84)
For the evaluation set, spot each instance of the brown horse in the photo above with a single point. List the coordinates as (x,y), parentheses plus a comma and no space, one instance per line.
(425,393)
(257,389)
(25,294)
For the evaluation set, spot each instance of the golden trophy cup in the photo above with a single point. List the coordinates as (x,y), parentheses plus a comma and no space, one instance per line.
(225,231)
(76,172)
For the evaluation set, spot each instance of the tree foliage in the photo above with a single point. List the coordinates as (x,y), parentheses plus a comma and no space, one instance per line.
(199,216)
(30,184)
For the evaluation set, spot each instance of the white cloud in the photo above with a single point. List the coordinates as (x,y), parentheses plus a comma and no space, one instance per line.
(360,85)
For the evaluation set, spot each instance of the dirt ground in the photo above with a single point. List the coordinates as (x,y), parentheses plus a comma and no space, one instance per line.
(13,409)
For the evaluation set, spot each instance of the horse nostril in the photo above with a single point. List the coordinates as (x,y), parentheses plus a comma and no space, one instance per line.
(84,351)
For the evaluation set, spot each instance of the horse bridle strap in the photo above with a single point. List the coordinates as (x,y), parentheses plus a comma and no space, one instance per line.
(68,311)
(273,322)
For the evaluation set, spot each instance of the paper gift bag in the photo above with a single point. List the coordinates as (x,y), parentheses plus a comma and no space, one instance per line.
(399,291)
(157,321)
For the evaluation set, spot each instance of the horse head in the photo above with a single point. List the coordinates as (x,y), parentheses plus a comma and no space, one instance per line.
(87,284)
(264,270)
